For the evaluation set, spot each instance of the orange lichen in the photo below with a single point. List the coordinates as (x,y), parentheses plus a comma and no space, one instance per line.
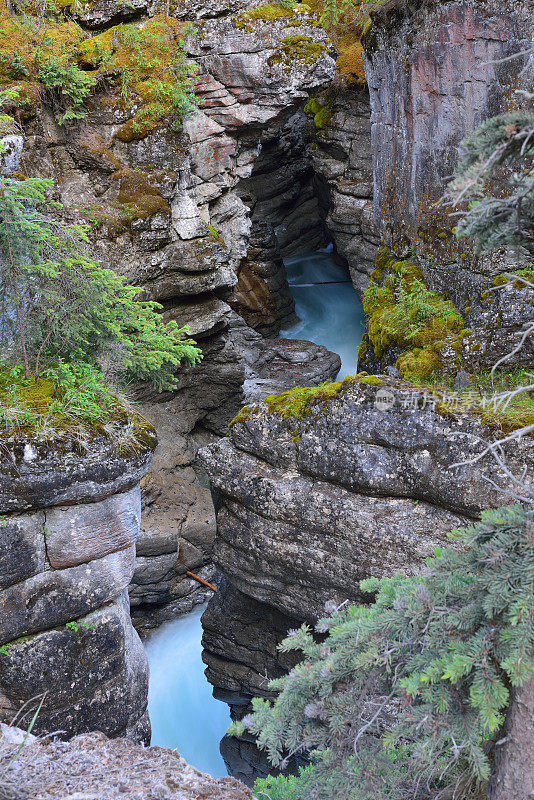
(350,61)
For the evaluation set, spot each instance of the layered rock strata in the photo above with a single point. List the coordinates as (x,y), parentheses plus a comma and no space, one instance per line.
(314,497)
(71,515)
(343,169)
(310,505)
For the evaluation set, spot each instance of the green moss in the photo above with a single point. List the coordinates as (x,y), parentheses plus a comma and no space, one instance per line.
(523,278)
(302,49)
(268,12)
(140,63)
(312,107)
(244,415)
(214,233)
(372,380)
(518,414)
(321,114)
(297,402)
(403,313)
(322,119)
(137,199)
(49,409)
(5,648)
(8,125)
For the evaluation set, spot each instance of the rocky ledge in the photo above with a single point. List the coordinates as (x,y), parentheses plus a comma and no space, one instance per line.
(91,767)
(318,489)
(67,555)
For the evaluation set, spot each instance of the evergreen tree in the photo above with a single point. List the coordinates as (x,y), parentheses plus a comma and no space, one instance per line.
(404,698)
(496,179)
(58,306)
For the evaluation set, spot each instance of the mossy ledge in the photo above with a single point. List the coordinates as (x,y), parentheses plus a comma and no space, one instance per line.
(298,401)
(403,313)
(39,410)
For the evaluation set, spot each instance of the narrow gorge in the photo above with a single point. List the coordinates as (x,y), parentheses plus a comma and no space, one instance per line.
(288,209)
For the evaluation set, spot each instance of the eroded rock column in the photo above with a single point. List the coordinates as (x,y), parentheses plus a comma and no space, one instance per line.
(72,512)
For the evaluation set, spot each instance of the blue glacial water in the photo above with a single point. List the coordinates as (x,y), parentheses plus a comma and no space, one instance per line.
(328,308)
(184,714)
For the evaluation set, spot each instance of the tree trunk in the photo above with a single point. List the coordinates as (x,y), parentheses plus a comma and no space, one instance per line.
(513,775)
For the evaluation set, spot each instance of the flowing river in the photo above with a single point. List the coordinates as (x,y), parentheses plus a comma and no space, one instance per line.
(184,714)
(328,308)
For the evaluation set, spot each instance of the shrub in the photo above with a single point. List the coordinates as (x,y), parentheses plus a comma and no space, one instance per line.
(405,697)
(72,84)
(58,305)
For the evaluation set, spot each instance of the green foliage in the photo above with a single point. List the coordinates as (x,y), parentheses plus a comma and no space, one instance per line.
(65,393)
(403,313)
(77,627)
(62,311)
(496,178)
(280,788)
(73,84)
(144,64)
(403,698)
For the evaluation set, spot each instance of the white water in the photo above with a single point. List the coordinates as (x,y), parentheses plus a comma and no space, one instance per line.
(329,310)
(184,714)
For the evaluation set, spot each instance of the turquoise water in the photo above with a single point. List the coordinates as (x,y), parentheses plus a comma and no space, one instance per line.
(184,714)
(328,308)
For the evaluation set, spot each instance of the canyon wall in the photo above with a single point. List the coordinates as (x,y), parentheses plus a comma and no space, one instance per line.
(71,515)
(315,491)
(183,213)
(434,73)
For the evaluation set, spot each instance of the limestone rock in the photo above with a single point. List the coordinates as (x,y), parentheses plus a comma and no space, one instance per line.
(356,487)
(92,673)
(104,13)
(35,473)
(78,534)
(66,636)
(342,161)
(92,767)
(417,124)
(22,548)
(54,597)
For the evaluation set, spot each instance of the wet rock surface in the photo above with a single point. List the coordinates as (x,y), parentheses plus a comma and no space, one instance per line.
(240,641)
(342,162)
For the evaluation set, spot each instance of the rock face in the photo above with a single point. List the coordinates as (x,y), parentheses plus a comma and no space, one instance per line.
(185,215)
(434,73)
(343,167)
(67,556)
(429,91)
(94,768)
(308,507)
(365,483)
